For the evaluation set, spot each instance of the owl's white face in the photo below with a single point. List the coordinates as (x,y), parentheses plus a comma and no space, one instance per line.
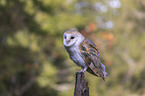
(72,38)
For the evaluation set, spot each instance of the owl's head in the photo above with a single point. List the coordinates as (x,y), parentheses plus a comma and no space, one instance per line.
(72,38)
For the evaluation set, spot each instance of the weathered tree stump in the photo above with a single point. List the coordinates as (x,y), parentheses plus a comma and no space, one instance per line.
(81,86)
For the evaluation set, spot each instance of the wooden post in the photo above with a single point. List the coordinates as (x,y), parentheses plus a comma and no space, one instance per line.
(81,86)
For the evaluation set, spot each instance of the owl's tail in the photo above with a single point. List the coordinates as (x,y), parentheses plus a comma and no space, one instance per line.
(105,74)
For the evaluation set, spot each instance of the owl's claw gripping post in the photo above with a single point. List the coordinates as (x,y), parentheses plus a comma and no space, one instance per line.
(82,70)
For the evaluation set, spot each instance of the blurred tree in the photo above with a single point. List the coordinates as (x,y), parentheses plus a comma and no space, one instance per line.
(31,50)
(33,59)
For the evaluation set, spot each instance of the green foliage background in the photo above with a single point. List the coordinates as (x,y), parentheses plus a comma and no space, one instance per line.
(33,61)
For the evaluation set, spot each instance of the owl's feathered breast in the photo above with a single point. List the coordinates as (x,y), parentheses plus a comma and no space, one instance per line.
(76,56)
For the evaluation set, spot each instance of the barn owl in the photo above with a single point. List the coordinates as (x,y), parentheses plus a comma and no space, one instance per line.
(84,53)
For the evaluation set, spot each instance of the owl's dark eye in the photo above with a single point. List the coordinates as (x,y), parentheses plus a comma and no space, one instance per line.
(72,37)
(65,37)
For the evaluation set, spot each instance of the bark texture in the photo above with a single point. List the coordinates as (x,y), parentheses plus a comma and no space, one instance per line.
(81,86)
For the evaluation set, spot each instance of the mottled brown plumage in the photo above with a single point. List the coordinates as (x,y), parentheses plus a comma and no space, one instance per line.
(91,54)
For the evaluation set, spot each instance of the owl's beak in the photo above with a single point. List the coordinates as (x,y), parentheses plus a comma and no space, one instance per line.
(67,41)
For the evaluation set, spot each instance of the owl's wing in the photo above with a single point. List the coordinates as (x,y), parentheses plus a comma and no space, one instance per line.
(91,54)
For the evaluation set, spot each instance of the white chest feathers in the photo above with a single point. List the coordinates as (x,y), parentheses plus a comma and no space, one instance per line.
(76,56)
